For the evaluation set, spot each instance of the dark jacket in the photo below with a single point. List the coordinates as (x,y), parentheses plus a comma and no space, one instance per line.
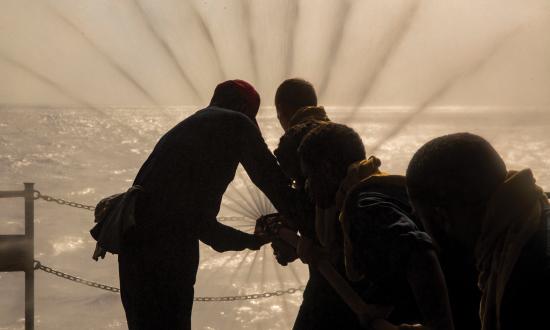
(525,304)
(384,233)
(189,170)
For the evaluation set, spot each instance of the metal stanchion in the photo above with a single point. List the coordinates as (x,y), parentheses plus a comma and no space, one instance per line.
(29,261)
(17,251)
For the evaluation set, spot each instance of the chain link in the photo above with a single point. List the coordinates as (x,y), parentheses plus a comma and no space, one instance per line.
(40,266)
(60,201)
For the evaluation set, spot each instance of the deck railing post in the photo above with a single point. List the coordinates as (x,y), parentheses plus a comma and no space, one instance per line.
(29,263)
(17,251)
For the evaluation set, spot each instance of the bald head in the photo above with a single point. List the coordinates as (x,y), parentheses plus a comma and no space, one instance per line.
(292,95)
(458,168)
(449,180)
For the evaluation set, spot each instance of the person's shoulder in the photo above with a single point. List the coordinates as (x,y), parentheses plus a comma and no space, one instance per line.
(384,208)
(218,112)
(376,190)
(365,202)
(231,116)
(225,118)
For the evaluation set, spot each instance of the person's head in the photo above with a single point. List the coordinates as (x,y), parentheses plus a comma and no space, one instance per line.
(292,95)
(287,151)
(449,181)
(325,153)
(237,95)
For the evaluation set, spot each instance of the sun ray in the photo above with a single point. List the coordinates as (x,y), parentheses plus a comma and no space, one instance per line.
(334,45)
(231,257)
(116,66)
(482,60)
(70,95)
(244,206)
(252,194)
(395,37)
(167,49)
(294,273)
(282,287)
(245,200)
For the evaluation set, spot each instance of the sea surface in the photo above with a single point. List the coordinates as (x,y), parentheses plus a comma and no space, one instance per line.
(83,155)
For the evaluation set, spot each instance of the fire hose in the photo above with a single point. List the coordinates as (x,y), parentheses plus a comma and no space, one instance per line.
(370,315)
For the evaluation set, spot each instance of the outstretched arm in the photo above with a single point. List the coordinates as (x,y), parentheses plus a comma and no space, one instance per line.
(428,285)
(224,238)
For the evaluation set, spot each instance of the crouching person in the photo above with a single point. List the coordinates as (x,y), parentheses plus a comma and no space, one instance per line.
(322,307)
(470,203)
(381,242)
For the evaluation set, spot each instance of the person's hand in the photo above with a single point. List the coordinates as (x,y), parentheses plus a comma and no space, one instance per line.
(284,253)
(258,242)
(268,225)
(309,252)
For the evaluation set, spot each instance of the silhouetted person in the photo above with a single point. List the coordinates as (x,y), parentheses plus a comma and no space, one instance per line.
(322,307)
(296,102)
(382,244)
(184,179)
(298,112)
(287,151)
(474,208)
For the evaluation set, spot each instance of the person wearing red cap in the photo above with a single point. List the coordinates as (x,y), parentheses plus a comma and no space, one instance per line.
(184,180)
(230,94)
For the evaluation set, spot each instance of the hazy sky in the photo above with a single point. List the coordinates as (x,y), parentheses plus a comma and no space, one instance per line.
(94,53)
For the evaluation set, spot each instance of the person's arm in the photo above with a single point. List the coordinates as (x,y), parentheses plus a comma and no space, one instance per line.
(284,252)
(428,286)
(265,173)
(224,238)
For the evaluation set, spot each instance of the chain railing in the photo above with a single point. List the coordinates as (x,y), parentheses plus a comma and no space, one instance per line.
(39,266)
(263,295)
(60,201)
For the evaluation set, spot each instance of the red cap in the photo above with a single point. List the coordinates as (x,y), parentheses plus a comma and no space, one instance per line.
(232,92)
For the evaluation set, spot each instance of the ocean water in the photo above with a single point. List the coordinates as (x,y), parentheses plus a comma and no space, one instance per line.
(82,156)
